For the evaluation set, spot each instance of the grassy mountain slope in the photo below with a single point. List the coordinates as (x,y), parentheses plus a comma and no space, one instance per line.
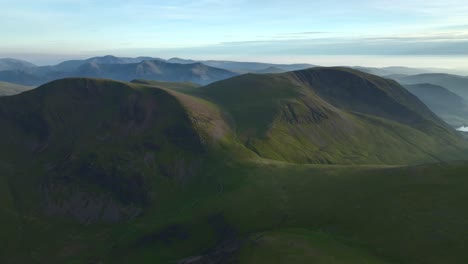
(86,151)
(332,115)
(100,171)
(404,213)
(12,89)
(449,106)
(346,213)
(185,87)
(86,137)
(301,246)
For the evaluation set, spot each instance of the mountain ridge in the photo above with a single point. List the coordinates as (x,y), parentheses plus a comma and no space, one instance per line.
(156,69)
(448,105)
(307,116)
(14,64)
(98,170)
(455,83)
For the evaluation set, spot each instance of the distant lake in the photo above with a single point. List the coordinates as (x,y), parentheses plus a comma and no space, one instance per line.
(463,129)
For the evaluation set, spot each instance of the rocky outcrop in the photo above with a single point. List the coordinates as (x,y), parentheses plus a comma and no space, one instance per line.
(85,206)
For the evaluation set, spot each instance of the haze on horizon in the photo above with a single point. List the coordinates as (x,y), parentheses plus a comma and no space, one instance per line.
(413,33)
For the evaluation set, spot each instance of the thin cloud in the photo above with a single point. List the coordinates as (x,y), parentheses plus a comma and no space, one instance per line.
(238,26)
(303,33)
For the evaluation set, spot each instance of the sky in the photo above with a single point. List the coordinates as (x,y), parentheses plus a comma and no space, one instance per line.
(325,32)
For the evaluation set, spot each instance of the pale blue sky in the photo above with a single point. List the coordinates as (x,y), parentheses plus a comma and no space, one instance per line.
(264,30)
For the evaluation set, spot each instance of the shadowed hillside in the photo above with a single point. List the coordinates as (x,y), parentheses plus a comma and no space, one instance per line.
(102,143)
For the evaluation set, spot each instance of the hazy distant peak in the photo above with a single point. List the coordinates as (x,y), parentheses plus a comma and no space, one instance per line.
(8,64)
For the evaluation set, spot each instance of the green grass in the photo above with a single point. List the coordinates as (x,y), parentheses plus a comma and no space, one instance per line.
(324,121)
(301,246)
(184,87)
(402,215)
(387,214)
(398,214)
(202,193)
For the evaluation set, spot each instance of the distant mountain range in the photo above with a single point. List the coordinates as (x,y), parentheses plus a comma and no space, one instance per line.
(155,70)
(445,94)
(13,64)
(127,69)
(455,83)
(398,70)
(25,73)
(443,99)
(73,65)
(247,67)
(123,69)
(449,106)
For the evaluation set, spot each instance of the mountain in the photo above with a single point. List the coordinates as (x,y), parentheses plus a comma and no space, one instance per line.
(245,67)
(181,61)
(100,143)
(73,65)
(101,171)
(252,67)
(454,83)
(271,70)
(399,70)
(12,89)
(449,106)
(176,86)
(331,115)
(255,66)
(153,70)
(23,77)
(394,70)
(13,64)
(103,142)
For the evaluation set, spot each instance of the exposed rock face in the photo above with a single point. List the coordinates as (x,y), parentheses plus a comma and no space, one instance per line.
(303,113)
(86,207)
(100,144)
